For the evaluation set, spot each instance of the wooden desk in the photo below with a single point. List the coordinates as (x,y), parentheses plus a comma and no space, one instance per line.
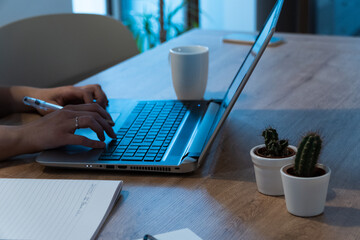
(309,83)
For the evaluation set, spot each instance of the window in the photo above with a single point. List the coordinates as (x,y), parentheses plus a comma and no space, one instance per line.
(90,6)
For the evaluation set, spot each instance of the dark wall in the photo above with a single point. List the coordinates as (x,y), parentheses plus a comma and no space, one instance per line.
(296,15)
(329,17)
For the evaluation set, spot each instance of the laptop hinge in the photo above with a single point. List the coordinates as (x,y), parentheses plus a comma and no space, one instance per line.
(193,156)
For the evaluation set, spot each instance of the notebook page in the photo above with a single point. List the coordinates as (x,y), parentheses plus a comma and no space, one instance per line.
(54,209)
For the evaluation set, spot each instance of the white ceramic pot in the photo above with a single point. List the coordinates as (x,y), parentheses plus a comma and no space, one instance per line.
(267,172)
(305,196)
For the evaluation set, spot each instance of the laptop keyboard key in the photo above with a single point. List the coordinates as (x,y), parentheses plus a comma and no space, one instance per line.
(157,143)
(131,158)
(149,159)
(125,141)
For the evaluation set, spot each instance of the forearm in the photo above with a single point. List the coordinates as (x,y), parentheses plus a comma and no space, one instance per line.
(11,99)
(13,142)
(17,94)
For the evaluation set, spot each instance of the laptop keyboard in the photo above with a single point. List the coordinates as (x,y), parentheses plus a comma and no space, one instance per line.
(147,133)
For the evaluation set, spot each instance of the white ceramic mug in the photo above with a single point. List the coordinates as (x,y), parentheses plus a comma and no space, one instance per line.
(189,70)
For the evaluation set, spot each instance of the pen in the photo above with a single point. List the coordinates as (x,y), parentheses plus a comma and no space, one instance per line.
(40,104)
(149,237)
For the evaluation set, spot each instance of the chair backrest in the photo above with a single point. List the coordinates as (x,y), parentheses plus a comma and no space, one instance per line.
(60,49)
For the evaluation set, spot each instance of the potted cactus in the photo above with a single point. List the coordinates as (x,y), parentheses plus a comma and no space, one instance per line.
(306,182)
(268,158)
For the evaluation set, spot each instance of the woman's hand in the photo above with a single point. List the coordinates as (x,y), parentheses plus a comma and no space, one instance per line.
(57,128)
(13,97)
(72,95)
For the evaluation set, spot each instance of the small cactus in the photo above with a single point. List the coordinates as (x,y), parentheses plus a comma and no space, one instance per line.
(307,155)
(274,146)
(269,135)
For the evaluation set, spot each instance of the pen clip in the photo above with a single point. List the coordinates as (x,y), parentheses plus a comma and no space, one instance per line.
(36,103)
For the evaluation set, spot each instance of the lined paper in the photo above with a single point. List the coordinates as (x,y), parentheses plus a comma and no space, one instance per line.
(55,209)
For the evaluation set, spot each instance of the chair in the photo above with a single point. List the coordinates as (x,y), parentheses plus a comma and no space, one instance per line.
(61,49)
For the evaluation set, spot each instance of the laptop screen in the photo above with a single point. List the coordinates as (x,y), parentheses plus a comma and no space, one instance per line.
(246,69)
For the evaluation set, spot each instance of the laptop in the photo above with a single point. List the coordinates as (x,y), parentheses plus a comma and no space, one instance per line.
(163,136)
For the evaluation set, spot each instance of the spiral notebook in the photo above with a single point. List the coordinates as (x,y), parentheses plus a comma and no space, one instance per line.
(55,209)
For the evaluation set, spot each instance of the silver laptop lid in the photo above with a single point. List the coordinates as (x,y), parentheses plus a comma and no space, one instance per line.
(245,71)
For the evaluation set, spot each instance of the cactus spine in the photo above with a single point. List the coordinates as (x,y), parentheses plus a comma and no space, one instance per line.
(308,155)
(274,146)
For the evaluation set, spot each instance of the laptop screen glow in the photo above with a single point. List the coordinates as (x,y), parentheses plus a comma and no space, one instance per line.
(246,68)
(253,53)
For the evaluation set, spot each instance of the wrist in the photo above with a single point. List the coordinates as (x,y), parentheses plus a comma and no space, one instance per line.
(11,141)
(26,139)
(16,140)
(18,93)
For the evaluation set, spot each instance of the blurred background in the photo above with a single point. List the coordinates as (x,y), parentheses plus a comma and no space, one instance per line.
(156,21)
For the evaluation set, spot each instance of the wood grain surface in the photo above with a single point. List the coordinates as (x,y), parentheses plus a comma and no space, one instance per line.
(308,83)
